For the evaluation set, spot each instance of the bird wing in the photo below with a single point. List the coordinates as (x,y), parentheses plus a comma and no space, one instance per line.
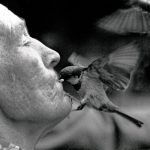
(115,69)
(79,60)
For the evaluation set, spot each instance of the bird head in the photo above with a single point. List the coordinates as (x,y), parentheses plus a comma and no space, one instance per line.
(71,74)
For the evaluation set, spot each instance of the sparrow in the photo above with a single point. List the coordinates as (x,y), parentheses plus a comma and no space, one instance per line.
(108,72)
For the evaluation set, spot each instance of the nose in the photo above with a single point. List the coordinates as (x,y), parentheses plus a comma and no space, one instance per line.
(50,57)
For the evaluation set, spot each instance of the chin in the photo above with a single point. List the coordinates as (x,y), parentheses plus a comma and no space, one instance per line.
(57,105)
(52,112)
(65,107)
(63,103)
(56,111)
(51,105)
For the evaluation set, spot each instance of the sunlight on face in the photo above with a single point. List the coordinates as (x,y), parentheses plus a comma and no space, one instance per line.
(29,87)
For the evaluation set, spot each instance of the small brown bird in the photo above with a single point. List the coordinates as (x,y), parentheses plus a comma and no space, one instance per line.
(108,72)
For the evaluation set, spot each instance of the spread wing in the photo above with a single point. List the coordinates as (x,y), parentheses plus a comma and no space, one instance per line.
(115,70)
(79,60)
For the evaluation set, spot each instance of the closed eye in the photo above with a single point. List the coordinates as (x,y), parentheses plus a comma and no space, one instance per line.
(26,38)
(26,41)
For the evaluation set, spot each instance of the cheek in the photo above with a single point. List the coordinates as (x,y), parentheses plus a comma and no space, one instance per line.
(21,102)
(27,61)
(28,68)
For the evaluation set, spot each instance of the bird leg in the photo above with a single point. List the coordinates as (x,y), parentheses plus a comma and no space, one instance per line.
(82,104)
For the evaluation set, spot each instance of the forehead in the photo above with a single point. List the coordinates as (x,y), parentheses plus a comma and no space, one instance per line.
(10,24)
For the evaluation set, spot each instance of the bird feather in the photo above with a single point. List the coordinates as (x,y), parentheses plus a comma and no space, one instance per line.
(115,69)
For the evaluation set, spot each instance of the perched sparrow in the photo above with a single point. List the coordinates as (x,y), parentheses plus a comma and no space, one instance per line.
(108,72)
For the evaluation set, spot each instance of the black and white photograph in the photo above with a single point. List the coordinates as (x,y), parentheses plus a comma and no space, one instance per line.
(75,75)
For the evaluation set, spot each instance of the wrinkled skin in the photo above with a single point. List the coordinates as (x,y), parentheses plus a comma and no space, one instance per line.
(29,89)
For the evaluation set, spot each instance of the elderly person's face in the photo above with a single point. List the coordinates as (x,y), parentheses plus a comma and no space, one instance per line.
(29,87)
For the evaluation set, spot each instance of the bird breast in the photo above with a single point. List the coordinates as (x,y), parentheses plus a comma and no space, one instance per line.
(89,85)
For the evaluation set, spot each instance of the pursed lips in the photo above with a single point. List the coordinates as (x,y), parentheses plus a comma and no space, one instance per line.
(51,80)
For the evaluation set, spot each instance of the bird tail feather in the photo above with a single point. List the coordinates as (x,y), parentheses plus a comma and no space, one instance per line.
(135,121)
(112,108)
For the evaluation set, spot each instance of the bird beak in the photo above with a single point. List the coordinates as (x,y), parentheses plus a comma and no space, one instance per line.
(61,80)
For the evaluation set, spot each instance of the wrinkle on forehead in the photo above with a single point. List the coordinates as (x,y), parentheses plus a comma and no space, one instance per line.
(11,26)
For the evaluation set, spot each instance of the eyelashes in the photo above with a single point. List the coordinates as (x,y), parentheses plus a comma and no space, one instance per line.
(26,43)
(25,40)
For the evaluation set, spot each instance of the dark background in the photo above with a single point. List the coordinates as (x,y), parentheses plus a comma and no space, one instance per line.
(68,26)
(73,17)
